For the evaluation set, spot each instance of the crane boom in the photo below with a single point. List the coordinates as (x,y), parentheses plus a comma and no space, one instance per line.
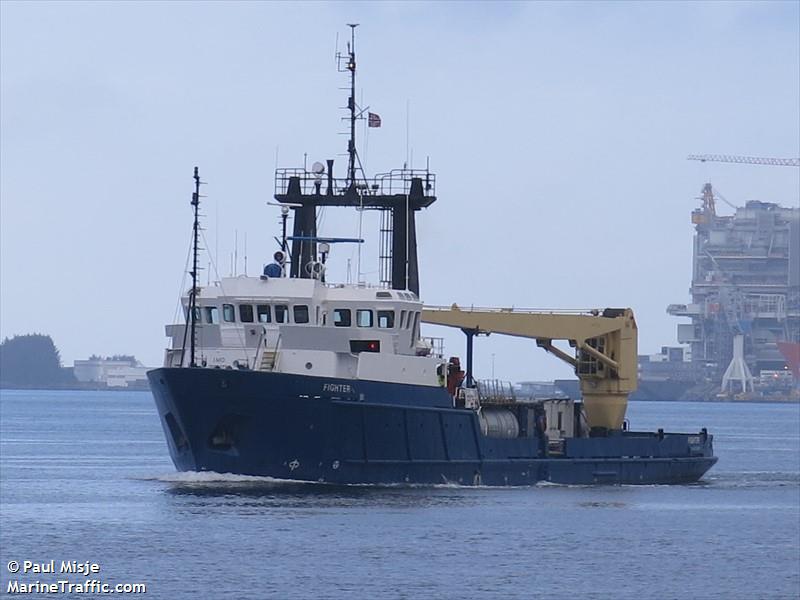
(605,343)
(747,160)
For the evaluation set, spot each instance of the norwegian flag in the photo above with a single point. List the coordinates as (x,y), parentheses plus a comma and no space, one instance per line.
(373,120)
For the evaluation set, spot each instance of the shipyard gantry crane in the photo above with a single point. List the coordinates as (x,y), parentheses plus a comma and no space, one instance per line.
(746,160)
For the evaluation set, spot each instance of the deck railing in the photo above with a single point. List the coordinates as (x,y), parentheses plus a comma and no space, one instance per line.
(397,181)
(495,391)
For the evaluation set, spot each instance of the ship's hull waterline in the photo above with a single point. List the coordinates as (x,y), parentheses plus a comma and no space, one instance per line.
(362,432)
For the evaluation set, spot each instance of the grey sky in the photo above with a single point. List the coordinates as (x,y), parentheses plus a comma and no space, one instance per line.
(558,134)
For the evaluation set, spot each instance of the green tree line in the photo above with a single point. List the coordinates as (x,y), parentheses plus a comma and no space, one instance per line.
(31,360)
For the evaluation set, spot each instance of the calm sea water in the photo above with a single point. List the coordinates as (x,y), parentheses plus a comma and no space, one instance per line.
(86,476)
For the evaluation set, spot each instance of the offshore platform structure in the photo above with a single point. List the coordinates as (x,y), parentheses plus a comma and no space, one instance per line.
(398,194)
(745,287)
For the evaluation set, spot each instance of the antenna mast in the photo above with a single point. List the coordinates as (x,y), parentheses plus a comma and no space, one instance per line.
(193,295)
(351,104)
(300,190)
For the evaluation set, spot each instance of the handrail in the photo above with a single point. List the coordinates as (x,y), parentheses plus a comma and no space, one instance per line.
(396,181)
(275,352)
(593,312)
(258,349)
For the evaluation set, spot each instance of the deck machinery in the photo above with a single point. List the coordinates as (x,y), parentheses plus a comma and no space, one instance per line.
(587,442)
(604,341)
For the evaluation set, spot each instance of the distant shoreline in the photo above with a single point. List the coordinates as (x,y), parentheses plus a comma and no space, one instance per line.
(94,387)
(84,386)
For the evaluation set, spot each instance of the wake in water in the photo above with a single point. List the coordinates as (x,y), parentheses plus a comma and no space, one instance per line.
(752,479)
(211,479)
(214,479)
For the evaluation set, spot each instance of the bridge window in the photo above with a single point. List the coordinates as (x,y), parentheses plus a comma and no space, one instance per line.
(402,319)
(264,313)
(300,313)
(228,314)
(198,313)
(364,318)
(415,328)
(212,314)
(386,319)
(246,313)
(281,313)
(341,317)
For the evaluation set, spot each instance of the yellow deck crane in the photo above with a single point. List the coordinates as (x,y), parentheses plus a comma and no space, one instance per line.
(605,343)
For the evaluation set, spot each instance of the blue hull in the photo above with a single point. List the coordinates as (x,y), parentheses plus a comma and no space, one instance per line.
(361,432)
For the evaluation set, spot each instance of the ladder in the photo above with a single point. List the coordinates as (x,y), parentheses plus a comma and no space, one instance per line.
(267,360)
(385,249)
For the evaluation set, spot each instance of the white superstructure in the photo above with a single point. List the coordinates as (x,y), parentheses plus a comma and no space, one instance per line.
(308,327)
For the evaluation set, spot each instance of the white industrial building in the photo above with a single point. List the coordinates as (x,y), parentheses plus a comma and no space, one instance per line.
(112,372)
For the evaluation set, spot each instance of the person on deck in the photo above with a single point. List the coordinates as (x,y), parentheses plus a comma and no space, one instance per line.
(275,268)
